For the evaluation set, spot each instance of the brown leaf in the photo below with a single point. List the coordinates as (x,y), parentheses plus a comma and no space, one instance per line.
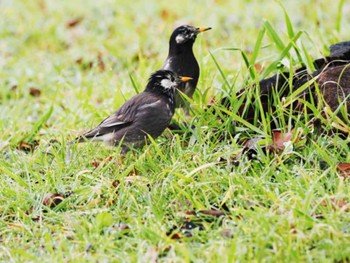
(134,172)
(52,200)
(212,101)
(103,162)
(115,183)
(95,163)
(27,147)
(259,67)
(212,212)
(344,170)
(293,230)
(85,65)
(34,92)
(336,203)
(280,140)
(167,248)
(79,61)
(190,213)
(74,22)
(100,62)
(175,236)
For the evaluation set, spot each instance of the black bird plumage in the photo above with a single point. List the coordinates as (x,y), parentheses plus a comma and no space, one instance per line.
(182,61)
(148,113)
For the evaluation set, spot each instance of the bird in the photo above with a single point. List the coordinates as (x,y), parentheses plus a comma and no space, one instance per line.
(146,114)
(182,61)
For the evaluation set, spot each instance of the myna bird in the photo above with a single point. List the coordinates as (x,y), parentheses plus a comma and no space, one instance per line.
(146,114)
(182,61)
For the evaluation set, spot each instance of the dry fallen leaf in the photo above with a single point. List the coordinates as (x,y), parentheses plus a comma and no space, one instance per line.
(85,65)
(167,248)
(336,203)
(259,67)
(175,236)
(95,164)
(115,183)
(103,162)
(279,139)
(100,62)
(344,170)
(74,22)
(284,141)
(27,147)
(79,61)
(293,229)
(34,92)
(51,200)
(212,101)
(212,212)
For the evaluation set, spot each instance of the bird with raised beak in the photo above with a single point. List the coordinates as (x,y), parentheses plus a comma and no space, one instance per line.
(182,61)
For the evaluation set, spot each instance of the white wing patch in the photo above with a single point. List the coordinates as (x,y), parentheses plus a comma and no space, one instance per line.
(106,138)
(111,124)
(150,105)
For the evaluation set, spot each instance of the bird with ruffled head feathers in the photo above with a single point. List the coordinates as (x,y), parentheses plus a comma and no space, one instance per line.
(146,114)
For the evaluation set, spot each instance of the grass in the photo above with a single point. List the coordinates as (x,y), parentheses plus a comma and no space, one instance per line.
(286,207)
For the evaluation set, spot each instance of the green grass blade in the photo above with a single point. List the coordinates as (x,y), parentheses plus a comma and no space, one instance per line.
(284,53)
(274,36)
(37,126)
(339,15)
(222,74)
(257,46)
(289,25)
(134,84)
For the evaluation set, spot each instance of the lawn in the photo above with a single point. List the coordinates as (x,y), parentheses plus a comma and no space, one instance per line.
(190,197)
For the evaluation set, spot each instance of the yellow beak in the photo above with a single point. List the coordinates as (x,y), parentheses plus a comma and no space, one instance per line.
(185,79)
(202,29)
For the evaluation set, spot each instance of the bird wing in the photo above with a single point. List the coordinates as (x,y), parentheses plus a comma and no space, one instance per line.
(125,116)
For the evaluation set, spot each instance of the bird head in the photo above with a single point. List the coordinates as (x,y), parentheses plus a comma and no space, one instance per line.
(186,34)
(165,81)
